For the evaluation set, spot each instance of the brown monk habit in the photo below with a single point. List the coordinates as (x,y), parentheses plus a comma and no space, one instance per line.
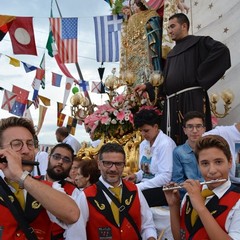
(195,61)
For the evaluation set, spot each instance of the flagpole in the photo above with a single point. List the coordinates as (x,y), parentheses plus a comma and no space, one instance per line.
(77,64)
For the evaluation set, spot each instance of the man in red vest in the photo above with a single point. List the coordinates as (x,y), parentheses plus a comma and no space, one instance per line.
(114,208)
(36,204)
(60,161)
(213,210)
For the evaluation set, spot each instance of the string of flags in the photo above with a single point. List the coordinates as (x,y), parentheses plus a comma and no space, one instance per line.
(62,45)
(16,101)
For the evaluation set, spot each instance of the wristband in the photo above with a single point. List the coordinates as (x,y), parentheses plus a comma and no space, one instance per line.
(22,179)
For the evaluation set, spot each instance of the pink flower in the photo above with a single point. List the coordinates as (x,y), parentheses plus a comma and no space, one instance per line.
(105,119)
(120,115)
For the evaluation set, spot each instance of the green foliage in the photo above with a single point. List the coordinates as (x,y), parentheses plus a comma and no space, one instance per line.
(117,7)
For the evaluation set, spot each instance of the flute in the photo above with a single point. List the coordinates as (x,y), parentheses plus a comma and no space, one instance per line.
(24,162)
(180,186)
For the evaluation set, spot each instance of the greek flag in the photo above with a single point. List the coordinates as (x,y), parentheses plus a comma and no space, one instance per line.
(108,36)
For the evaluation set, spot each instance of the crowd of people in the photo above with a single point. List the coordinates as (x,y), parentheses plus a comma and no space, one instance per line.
(184,164)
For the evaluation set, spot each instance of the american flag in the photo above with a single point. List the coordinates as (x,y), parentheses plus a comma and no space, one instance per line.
(65,35)
(108,36)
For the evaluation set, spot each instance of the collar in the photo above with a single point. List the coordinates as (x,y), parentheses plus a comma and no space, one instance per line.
(107,185)
(219,191)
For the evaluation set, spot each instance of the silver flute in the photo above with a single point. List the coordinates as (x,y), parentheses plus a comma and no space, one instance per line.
(179,186)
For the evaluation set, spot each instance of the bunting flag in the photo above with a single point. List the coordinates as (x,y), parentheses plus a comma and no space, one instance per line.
(51,46)
(42,113)
(22,36)
(4,19)
(36,101)
(42,66)
(71,125)
(5,24)
(108,35)
(8,100)
(36,85)
(65,34)
(97,87)
(60,119)
(101,72)
(84,85)
(29,103)
(56,79)
(27,114)
(15,62)
(19,105)
(45,101)
(28,67)
(40,73)
(68,87)
(60,107)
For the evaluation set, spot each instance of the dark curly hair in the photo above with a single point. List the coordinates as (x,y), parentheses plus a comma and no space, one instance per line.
(146,116)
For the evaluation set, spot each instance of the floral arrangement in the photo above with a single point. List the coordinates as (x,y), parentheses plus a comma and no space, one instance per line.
(115,118)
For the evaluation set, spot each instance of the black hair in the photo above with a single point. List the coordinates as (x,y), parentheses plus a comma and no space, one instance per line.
(146,116)
(193,114)
(111,147)
(181,19)
(65,146)
(63,131)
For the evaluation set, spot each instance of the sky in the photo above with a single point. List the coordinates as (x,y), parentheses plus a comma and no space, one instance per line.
(85,10)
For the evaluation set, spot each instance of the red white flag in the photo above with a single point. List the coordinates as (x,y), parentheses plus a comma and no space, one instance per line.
(22,36)
(65,34)
(8,100)
(68,86)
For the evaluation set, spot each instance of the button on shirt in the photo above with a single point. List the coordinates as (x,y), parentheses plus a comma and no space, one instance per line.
(185,166)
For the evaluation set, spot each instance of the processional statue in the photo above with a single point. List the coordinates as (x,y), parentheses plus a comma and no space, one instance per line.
(144,44)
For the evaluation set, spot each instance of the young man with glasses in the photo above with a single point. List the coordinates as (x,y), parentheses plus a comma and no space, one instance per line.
(104,220)
(37,203)
(184,161)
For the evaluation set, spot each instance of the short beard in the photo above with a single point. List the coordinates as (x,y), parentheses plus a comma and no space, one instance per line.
(57,176)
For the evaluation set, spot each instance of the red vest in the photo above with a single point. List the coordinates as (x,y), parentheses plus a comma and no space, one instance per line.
(219,209)
(34,212)
(57,231)
(101,223)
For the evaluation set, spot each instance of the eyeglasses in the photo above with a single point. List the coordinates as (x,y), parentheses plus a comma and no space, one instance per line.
(17,144)
(190,127)
(108,164)
(58,157)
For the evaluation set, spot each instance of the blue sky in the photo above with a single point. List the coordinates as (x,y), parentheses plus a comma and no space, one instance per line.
(85,10)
